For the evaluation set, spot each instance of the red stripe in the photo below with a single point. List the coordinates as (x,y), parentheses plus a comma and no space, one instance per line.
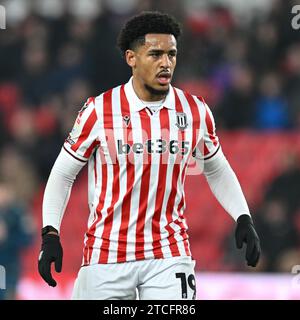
(144,191)
(90,99)
(202,99)
(91,232)
(90,149)
(108,222)
(210,127)
(127,132)
(87,128)
(161,187)
(206,151)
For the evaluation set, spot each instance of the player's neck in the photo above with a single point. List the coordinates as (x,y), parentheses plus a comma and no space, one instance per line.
(144,94)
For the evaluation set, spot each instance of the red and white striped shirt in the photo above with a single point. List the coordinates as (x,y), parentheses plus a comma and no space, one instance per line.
(137,162)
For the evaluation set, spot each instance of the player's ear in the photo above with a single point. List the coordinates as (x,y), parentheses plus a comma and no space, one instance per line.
(130,58)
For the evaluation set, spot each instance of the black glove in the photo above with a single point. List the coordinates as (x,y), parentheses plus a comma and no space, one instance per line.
(245,232)
(51,251)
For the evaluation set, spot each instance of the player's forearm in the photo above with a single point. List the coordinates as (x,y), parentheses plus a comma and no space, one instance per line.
(225,185)
(58,189)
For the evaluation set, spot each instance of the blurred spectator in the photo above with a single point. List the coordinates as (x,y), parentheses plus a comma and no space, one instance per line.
(34,77)
(16,233)
(10,54)
(10,97)
(16,169)
(286,186)
(71,64)
(236,108)
(3,132)
(277,232)
(33,74)
(107,67)
(291,66)
(271,110)
(263,54)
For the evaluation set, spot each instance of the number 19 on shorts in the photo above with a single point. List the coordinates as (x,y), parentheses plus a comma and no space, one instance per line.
(185,283)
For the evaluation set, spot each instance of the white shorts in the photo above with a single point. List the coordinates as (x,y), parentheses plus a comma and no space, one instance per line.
(153,279)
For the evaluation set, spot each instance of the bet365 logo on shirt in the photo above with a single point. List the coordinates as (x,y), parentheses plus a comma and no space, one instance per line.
(154,146)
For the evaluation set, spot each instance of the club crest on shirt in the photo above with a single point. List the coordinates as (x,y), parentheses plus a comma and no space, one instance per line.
(126,120)
(181,120)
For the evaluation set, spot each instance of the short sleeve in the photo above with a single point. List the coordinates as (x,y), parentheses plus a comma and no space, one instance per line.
(209,143)
(83,139)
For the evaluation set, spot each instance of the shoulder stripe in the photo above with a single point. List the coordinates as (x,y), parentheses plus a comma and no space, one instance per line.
(87,128)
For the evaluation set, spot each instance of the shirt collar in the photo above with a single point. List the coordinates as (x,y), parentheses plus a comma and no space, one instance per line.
(137,105)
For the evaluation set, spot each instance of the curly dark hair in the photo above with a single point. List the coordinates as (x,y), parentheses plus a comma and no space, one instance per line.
(134,31)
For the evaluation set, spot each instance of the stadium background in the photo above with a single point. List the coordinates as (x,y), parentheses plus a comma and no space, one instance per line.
(242,57)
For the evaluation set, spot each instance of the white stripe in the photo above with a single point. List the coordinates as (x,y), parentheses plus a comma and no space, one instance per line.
(135,195)
(108,195)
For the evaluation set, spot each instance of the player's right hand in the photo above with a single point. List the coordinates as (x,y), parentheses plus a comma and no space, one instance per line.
(51,251)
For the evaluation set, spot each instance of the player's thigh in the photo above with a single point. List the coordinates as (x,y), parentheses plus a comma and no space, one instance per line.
(169,279)
(105,282)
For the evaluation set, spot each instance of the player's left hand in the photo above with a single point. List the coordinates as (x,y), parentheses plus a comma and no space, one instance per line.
(51,251)
(245,232)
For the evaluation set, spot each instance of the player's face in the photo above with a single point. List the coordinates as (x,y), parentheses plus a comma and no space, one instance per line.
(153,64)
